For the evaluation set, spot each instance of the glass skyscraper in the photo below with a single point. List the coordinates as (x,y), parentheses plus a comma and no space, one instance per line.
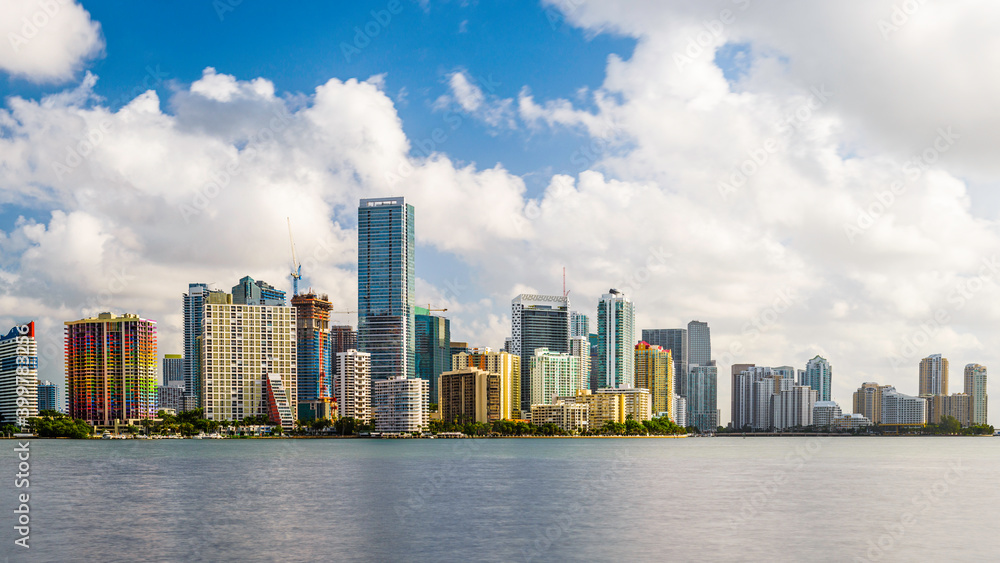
(433,348)
(537,321)
(616,341)
(386,286)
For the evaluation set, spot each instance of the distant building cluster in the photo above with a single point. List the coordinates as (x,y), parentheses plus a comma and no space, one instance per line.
(251,353)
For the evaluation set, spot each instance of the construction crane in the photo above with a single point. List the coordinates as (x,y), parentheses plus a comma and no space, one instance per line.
(342,312)
(429,308)
(296,267)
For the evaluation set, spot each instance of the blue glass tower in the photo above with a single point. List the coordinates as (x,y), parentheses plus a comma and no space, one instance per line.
(433,344)
(386,286)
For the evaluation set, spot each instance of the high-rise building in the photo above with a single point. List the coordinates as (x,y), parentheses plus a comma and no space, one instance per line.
(638,402)
(505,365)
(353,385)
(386,286)
(794,407)
(699,348)
(615,340)
(553,374)
(400,404)
(738,401)
(173,369)
(824,413)
(902,410)
(314,347)
(593,340)
(342,338)
(537,321)
(460,347)
(817,377)
(934,375)
(194,314)
(957,406)
(48,397)
(654,370)
(111,368)
(680,408)
(249,360)
(250,292)
(433,348)
(19,368)
(702,396)
(469,394)
(579,346)
(579,324)
(975,387)
(868,401)
(675,340)
(170,397)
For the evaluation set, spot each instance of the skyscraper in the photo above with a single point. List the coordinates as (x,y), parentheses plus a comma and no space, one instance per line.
(579,324)
(739,398)
(699,348)
(250,292)
(342,339)
(615,340)
(553,374)
(817,377)
(353,385)
(934,375)
(975,387)
(194,313)
(579,346)
(654,370)
(111,368)
(249,361)
(314,346)
(506,366)
(19,368)
(537,321)
(702,396)
(173,369)
(675,340)
(386,286)
(433,348)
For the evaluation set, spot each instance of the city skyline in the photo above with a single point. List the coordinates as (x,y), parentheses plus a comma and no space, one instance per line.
(547,163)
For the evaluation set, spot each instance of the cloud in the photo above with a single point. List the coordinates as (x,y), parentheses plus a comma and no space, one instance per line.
(467,94)
(47,40)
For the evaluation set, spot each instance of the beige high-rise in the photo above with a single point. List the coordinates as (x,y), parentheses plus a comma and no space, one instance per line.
(934,375)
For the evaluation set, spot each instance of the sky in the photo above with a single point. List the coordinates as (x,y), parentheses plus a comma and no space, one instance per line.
(809,178)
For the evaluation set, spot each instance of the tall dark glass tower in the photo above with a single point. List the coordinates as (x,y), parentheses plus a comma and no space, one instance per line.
(433,347)
(386,286)
(537,321)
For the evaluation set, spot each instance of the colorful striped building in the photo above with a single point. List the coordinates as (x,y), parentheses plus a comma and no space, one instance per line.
(312,315)
(111,368)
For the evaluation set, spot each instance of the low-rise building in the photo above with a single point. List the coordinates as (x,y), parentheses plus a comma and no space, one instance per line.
(601,407)
(638,402)
(902,410)
(851,421)
(824,412)
(470,395)
(571,417)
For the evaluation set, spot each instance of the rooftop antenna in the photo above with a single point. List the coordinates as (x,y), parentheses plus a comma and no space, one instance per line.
(296,267)
(565,293)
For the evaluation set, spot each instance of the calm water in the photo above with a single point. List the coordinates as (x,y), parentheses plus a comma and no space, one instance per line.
(789,499)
